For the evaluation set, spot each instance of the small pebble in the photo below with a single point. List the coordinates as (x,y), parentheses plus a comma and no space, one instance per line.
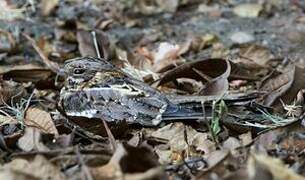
(242,37)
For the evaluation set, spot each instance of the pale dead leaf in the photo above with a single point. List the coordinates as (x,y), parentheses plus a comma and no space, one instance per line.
(258,163)
(200,42)
(203,144)
(168,54)
(7,41)
(40,119)
(246,138)
(152,173)
(248,10)
(157,6)
(48,6)
(175,133)
(31,140)
(231,143)
(6,120)
(165,156)
(38,168)
(10,13)
(166,51)
(168,5)
(216,157)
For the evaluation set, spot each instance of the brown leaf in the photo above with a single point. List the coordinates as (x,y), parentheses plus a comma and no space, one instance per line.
(25,73)
(213,72)
(255,55)
(25,67)
(215,161)
(10,91)
(241,71)
(283,87)
(128,160)
(41,120)
(180,137)
(86,43)
(285,139)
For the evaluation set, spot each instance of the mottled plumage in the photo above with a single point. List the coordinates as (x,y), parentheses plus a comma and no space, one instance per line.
(96,89)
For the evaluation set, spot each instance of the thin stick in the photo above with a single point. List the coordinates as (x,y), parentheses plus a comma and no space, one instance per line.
(87,173)
(110,136)
(52,65)
(203,76)
(95,44)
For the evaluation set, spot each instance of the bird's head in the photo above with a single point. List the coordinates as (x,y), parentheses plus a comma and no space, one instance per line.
(80,70)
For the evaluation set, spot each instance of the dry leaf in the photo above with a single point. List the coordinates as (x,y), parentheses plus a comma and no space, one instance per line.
(53,66)
(201,42)
(31,140)
(231,143)
(283,87)
(157,6)
(7,41)
(6,120)
(213,72)
(25,73)
(38,168)
(214,160)
(164,55)
(41,120)
(129,162)
(284,139)
(255,55)
(8,13)
(48,6)
(168,5)
(25,67)
(175,133)
(246,138)
(10,91)
(258,164)
(216,157)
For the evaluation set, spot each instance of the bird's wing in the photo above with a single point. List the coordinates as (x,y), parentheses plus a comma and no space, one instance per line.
(113,96)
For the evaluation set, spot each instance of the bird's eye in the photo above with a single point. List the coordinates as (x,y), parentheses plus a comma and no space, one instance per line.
(79,71)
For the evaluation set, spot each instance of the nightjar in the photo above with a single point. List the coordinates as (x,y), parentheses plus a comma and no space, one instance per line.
(95,89)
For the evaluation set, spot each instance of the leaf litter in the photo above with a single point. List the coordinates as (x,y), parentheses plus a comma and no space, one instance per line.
(229,57)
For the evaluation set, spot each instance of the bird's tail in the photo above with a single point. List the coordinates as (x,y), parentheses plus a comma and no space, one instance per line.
(191,107)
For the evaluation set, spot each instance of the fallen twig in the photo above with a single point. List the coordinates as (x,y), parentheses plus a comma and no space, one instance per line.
(52,65)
